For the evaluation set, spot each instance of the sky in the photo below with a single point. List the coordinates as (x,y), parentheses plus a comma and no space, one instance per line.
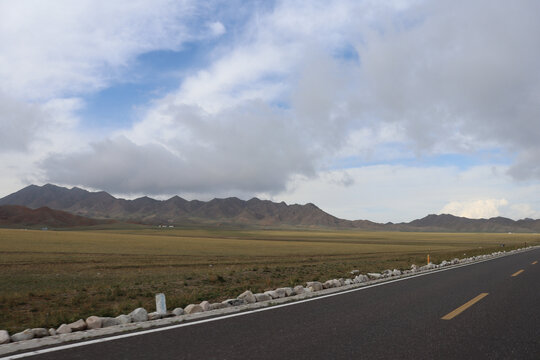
(386,111)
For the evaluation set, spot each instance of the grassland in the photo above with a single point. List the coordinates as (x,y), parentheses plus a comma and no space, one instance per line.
(50,277)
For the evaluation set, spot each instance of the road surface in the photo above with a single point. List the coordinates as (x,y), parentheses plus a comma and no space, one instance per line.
(489,310)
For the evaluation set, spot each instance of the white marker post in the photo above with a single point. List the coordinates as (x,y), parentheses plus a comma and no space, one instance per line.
(161,306)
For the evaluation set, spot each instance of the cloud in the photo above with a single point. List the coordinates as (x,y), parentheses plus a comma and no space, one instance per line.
(400,193)
(67,47)
(217,28)
(457,77)
(475,209)
(527,165)
(27,125)
(248,149)
(20,123)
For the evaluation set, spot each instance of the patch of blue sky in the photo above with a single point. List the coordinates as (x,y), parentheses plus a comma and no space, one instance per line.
(281,104)
(347,52)
(461,161)
(151,76)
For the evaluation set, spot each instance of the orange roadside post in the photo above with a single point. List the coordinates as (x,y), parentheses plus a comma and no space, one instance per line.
(428,259)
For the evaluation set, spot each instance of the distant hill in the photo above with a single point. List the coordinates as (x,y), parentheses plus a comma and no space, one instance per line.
(178,211)
(446,222)
(21,216)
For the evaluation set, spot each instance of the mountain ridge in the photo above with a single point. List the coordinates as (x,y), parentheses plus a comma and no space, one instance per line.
(175,210)
(178,211)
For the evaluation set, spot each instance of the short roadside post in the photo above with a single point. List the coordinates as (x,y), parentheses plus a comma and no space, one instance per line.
(161,306)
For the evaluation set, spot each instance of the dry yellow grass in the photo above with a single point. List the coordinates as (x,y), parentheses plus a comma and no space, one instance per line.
(49,277)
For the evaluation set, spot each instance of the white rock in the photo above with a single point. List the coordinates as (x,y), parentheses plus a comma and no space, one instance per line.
(139,315)
(234,302)
(429,266)
(348,282)
(288,291)
(299,289)
(248,297)
(78,325)
(396,272)
(331,284)
(178,311)
(63,329)
(361,278)
(341,281)
(387,273)
(414,268)
(444,263)
(154,316)
(273,294)
(314,285)
(216,306)
(193,308)
(93,322)
(23,335)
(205,305)
(109,321)
(374,275)
(40,332)
(52,331)
(123,319)
(262,297)
(355,272)
(4,337)
(282,292)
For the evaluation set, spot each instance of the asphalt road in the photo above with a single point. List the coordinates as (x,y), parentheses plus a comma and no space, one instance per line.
(399,320)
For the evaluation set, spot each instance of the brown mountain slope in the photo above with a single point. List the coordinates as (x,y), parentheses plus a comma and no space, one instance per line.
(15,215)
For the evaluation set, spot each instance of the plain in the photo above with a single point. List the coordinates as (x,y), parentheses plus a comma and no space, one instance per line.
(52,277)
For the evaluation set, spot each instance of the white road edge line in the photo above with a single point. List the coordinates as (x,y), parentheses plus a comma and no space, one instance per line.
(271,307)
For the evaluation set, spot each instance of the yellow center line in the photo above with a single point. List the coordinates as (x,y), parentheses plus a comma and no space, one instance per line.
(534,262)
(518,272)
(464,307)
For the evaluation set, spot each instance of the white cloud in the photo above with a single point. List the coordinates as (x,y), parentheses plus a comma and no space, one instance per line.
(26,126)
(217,28)
(475,209)
(62,47)
(401,193)
(248,149)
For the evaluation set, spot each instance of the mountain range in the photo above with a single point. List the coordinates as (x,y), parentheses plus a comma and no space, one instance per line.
(233,211)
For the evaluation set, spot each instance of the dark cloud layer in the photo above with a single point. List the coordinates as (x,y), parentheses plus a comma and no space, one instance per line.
(249,149)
